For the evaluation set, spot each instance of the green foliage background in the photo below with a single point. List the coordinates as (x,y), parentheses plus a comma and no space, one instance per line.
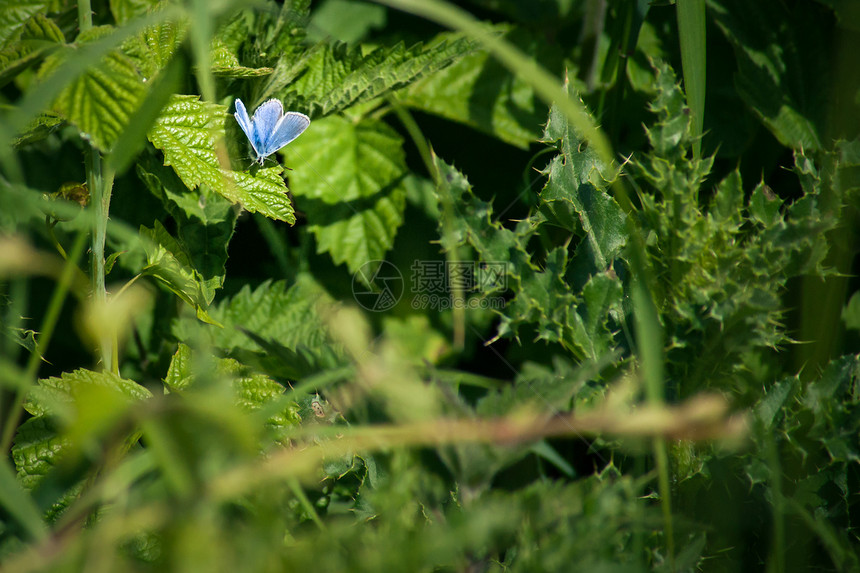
(664,376)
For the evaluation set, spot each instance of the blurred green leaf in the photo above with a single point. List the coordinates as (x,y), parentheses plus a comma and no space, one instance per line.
(101,101)
(38,37)
(226,64)
(14,15)
(345,20)
(281,315)
(125,10)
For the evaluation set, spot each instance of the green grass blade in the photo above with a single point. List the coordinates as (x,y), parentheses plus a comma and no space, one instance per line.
(691,29)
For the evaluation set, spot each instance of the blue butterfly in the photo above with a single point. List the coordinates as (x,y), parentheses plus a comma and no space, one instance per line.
(270,129)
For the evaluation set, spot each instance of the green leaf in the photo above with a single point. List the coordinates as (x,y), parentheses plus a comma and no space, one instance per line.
(154,48)
(339,76)
(39,36)
(764,205)
(200,203)
(187,132)
(37,450)
(348,179)
(543,298)
(40,128)
(169,262)
(204,220)
(179,373)
(544,389)
(225,63)
(101,101)
(346,20)
(14,14)
(851,312)
(602,296)
(720,276)
(782,65)
(253,391)
(273,314)
(274,311)
(576,188)
(66,412)
(478,91)
(53,394)
(125,10)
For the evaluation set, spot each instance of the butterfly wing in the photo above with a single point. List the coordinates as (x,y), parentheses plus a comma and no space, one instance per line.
(247,125)
(265,121)
(288,128)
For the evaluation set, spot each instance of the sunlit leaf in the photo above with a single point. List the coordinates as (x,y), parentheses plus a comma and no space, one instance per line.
(348,179)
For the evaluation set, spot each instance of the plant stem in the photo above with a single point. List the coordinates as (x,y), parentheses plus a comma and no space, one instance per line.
(100,182)
(85,15)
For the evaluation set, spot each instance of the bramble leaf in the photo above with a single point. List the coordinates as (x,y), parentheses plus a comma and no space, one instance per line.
(101,101)
(478,91)
(340,76)
(169,262)
(276,325)
(39,36)
(187,132)
(14,15)
(348,178)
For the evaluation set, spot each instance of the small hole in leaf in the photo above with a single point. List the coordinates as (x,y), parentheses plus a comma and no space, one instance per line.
(583,145)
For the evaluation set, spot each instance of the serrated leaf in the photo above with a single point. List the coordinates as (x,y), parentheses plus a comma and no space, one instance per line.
(542,388)
(169,262)
(41,127)
(252,390)
(478,91)
(273,314)
(348,178)
(125,10)
(18,505)
(187,131)
(101,101)
(764,205)
(23,337)
(179,373)
(576,187)
(14,14)
(53,393)
(601,296)
(201,203)
(224,63)
(154,48)
(339,76)
(88,402)
(37,450)
(39,36)
(204,220)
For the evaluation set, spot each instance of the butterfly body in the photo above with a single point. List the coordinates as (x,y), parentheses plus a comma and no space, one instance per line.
(270,128)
